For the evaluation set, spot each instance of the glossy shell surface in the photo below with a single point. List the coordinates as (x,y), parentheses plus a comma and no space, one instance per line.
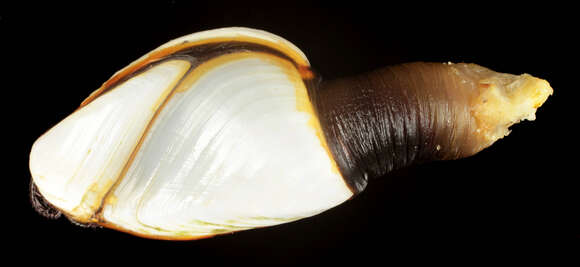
(210,133)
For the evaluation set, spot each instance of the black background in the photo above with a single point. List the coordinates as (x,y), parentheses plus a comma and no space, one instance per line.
(516,199)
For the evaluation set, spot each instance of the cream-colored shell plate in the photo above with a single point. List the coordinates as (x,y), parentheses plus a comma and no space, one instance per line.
(180,154)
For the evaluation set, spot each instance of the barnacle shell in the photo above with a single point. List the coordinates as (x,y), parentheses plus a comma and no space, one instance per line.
(229,129)
(210,133)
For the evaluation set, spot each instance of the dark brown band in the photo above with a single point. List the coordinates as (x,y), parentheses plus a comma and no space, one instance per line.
(197,55)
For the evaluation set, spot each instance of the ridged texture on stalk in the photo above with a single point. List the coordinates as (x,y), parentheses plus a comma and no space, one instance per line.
(417,112)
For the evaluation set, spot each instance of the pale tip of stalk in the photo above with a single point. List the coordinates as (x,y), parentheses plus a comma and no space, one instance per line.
(504,100)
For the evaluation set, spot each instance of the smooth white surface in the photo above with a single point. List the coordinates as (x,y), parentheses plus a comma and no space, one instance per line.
(232,152)
(79,159)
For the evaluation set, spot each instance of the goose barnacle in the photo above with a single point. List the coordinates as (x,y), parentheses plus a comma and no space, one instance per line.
(230,129)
